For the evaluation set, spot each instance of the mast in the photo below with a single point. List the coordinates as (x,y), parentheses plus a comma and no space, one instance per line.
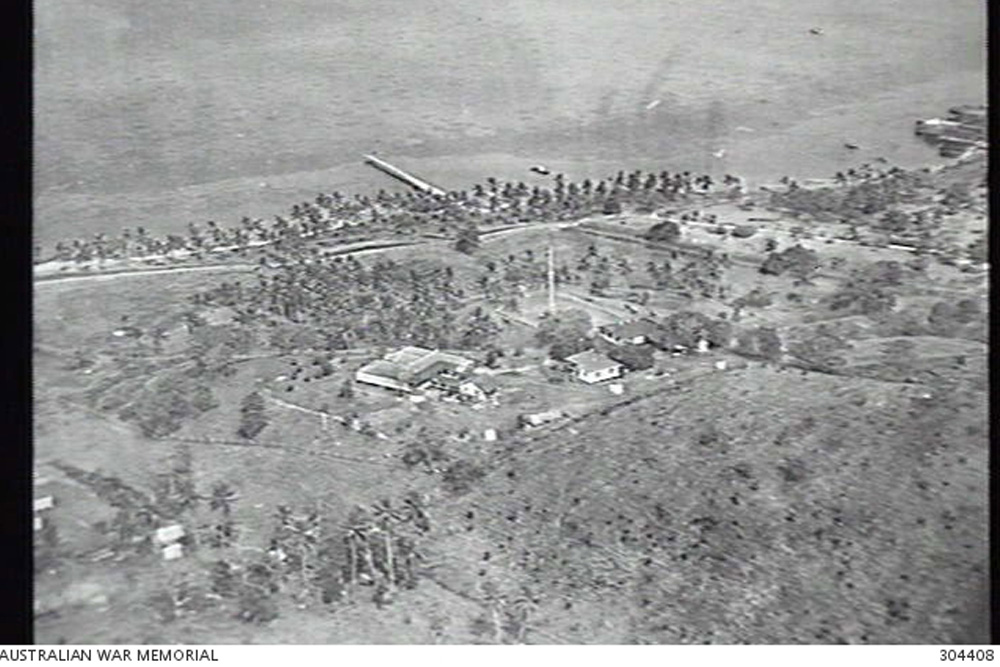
(552,279)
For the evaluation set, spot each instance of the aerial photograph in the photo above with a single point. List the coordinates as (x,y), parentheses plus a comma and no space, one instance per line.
(524,322)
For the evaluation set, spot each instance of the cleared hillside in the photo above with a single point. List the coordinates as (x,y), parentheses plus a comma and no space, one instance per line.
(752,506)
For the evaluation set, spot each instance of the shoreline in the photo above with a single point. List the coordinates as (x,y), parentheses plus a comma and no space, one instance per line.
(882,126)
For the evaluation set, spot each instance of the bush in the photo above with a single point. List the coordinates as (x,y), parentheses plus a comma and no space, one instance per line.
(755,298)
(253,418)
(565,332)
(666,232)
(460,476)
(763,343)
(633,357)
(468,240)
(799,261)
(978,251)
(162,408)
(744,231)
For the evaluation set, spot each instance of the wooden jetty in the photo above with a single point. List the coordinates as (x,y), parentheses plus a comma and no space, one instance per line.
(405,177)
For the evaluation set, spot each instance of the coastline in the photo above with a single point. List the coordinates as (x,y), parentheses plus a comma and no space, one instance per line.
(809,147)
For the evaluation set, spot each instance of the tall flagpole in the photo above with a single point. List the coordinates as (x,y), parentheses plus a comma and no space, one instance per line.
(552,279)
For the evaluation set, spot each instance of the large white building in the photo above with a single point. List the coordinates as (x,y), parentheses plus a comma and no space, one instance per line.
(409,367)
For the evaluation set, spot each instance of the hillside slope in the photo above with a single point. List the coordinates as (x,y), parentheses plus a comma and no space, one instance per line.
(753,506)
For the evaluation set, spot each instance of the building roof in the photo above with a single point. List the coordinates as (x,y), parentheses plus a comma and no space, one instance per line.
(542,417)
(414,364)
(629,330)
(407,355)
(591,361)
(484,382)
(384,368)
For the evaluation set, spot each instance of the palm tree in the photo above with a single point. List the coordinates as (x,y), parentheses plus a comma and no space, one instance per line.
(222,498)
(417,512)
(359,526)
(384,516)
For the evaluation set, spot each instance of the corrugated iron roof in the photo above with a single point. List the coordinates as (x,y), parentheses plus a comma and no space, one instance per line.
(590,361)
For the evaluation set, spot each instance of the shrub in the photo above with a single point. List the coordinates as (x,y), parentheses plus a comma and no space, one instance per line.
(460,476)
(253,418)
(633,357)
(798,261)
(667,231)
(468,240)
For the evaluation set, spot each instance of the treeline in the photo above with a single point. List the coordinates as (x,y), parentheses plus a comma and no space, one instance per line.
(335,214)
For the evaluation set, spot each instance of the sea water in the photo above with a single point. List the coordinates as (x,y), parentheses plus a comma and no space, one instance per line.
(160,114)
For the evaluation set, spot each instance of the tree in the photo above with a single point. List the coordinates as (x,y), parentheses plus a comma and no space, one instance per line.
(460,476)
(253,418)
(566,332)
(633,357)
(801,262)
(346,390)
(762,342)
(163,406)
(687,327)
(359,525)
(978,251)
(256,601)
(468,240)
(611,206)
(221,501)
(755,298)
(869,290)
(667,231)
(568,323)
(223,580)
(46,546)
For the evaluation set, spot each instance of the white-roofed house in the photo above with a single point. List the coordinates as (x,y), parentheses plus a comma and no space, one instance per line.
(591,367)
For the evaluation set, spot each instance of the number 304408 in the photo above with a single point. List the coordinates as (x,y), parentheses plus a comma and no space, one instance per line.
(975,655)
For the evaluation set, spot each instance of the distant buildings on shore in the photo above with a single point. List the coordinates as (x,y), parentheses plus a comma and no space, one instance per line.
(962,130)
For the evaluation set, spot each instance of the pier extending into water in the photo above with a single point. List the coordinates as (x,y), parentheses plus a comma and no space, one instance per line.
(405,177)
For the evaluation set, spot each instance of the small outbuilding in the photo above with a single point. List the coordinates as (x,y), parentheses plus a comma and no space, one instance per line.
(43,503)
(169,534)
(539,418)
(173,551)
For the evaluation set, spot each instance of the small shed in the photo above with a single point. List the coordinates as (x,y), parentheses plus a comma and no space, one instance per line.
(490,435)
(539,418)
(169,534)
(173,551)
(43,503)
